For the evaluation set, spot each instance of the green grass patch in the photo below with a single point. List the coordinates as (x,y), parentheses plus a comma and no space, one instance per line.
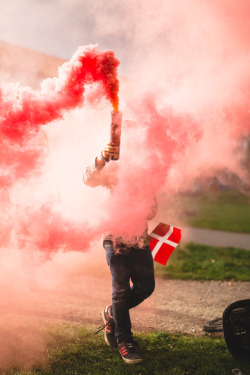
(221,210)
(201,262)
(77,351)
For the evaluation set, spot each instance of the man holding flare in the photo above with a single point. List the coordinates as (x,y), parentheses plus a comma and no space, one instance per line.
(129,261)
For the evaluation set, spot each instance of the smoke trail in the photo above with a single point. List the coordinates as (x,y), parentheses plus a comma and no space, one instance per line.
(24,110)
(32,228)
(24,145)
(151,150)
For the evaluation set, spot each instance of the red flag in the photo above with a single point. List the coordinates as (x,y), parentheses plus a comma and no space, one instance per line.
(163,240)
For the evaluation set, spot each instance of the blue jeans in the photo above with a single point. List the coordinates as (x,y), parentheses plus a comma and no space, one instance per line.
(137,266)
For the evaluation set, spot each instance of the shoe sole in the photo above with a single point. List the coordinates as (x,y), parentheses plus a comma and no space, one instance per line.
(103,317)
(132,361)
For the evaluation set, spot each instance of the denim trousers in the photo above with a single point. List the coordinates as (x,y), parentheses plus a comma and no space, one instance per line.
(132,282)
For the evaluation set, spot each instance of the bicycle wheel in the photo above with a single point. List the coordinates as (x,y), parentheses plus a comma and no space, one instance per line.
(215,325)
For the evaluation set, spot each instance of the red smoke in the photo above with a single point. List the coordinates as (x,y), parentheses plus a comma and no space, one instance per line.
(24,110)
(23,146)
(147,159)
(49,232)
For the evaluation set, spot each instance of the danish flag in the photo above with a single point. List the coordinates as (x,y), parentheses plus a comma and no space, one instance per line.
(163,240)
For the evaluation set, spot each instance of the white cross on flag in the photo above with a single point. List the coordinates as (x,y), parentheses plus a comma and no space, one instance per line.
(163,240)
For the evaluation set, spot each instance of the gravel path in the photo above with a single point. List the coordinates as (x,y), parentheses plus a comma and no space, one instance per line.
(216,237)
(175,306)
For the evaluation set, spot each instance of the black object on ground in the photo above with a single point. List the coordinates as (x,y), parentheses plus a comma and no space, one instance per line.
(236,327)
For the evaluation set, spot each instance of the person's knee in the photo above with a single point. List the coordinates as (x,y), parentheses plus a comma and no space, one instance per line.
(150,288)
(145,290)
(119,295)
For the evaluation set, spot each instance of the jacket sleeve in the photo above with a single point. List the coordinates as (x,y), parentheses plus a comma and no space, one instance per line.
(92,175)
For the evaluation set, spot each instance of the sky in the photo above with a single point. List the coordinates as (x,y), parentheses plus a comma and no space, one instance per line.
(169,38)
(58,27)
(192,33)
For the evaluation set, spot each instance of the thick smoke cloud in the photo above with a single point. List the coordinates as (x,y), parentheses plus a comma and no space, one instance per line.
(33,228)
(23,112)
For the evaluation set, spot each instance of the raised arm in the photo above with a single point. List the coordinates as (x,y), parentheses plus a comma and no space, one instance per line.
(93,175)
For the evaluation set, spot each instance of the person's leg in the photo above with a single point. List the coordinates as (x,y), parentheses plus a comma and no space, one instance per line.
(142,276)
(120,267)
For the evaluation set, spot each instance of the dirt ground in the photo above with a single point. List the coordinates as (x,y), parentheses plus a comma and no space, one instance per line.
(175,306)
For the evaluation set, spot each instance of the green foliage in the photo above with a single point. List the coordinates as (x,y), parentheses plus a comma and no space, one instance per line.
(221,210)
(201,262)
(163,354)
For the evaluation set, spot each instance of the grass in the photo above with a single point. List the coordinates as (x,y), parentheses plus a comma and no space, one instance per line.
(220,210)
(201,262)
(76,351)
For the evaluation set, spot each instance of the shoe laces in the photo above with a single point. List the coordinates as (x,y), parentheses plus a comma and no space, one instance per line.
(130,347)
(108,325)
(101,328)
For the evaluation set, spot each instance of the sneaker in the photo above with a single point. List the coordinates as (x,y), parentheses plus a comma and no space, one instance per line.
(130,352)
(109,333)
